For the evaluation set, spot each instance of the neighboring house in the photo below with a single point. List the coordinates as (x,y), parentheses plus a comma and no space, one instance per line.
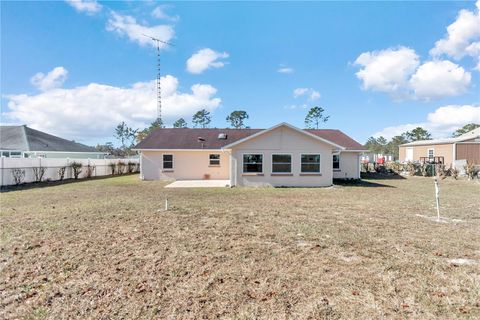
(445,151)
(25,142)
(280,156)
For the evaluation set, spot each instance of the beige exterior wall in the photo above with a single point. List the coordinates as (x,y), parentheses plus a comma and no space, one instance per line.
(282,140)
(187,165)
(349,166)
(439,150)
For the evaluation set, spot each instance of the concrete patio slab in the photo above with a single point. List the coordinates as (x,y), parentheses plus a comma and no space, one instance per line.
(199,184)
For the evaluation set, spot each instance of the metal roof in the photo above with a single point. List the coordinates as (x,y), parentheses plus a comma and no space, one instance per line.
(474,134)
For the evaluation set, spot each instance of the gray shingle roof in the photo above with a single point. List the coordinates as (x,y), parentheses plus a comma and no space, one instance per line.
(24,138)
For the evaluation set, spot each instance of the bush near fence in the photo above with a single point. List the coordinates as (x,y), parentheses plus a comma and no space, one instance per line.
(421,169)
(15,171)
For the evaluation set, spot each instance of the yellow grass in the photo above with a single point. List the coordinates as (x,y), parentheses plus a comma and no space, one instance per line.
(106,249)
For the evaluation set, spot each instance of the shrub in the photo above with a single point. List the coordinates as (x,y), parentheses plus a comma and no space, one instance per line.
(470,170)
(90,171)
(121,167)
(394,167)
(77,169)
(112,166)
(410,168)
(440,170)
(131,166)
(453,172)
(18,175)
(39,172)
(61,173)
(425,169)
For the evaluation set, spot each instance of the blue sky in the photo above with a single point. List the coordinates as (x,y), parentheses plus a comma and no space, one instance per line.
(77,69)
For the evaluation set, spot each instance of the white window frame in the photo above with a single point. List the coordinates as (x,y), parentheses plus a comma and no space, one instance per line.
(433,153)
(210,160)
(319,163)
(163,162)
(282,154)
(335,169)
(243,164)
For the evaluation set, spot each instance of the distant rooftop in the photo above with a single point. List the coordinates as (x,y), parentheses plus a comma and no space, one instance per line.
(474,134)
(23,138)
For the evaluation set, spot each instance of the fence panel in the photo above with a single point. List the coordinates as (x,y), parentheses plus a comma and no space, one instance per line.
(34,169)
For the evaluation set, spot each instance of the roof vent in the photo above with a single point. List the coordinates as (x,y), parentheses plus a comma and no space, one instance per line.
(222,136)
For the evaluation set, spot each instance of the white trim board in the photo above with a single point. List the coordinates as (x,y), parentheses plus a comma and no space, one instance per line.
(283,124)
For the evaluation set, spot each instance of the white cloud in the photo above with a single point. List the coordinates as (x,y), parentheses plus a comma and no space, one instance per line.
(436,79)
(462,38)
(441,123)
(159,13)
(90,112)
(295,106)
(51,80)
(387,70)
(299,92)
(312,94)
(88,6)
(128,26)
(205,59)
(286,70)
(399,73)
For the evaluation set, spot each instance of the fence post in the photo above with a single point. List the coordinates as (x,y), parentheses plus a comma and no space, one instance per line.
(69,173)
(2,164)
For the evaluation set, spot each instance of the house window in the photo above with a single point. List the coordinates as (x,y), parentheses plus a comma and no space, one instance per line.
(252,163)
(310,163)
(336,161)
(281,163)
(15,154)
(168,161)
(214,159)
(5,154)
(431,153)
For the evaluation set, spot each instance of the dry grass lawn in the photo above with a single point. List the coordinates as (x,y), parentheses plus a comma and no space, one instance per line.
(104,249)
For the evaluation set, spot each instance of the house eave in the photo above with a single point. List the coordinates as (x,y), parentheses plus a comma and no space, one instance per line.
(288,126)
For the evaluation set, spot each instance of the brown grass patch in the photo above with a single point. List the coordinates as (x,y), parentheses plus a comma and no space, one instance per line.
(102,249)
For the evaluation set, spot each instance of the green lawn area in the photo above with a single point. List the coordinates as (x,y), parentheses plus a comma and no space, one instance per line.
(106,249)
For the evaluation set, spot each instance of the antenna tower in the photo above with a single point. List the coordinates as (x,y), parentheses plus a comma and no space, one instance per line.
(159,86)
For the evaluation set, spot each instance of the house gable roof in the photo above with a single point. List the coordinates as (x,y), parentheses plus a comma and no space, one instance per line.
(187,138)
(283,124)
(24,138)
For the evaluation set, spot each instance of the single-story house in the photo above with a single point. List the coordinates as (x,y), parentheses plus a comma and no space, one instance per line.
(445,151)
(280,156)
(25,142)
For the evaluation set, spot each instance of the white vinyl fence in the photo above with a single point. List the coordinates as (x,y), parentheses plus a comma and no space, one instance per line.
(29,169)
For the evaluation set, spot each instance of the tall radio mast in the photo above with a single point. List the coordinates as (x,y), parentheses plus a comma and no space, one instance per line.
(159,86)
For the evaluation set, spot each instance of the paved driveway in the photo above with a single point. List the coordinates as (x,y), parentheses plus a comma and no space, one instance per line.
(199,184)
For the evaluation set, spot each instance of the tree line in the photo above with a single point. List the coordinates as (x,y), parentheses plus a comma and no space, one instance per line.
(381,145)
(315,117)
(128,136)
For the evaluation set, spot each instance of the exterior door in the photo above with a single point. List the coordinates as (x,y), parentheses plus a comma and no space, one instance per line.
(409,154)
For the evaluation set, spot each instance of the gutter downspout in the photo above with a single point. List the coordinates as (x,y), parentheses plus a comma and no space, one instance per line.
(233,180)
